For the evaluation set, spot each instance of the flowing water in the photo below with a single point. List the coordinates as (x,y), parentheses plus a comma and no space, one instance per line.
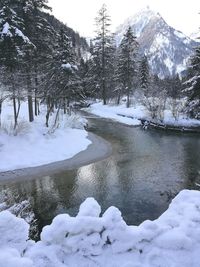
(145,171)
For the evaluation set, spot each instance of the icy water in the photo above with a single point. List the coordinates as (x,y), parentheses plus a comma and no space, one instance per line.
(146,170)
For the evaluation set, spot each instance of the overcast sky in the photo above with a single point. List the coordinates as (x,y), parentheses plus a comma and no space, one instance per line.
(79,14)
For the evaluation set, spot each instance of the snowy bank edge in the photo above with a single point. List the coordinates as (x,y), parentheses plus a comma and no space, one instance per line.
(99,149)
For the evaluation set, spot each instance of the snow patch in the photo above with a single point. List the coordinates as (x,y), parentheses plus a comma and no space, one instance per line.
(6,30)
(20,34)
(169,65)
(115,112)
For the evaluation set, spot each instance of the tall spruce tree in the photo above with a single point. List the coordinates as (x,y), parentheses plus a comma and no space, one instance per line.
(127,63)
(101,52)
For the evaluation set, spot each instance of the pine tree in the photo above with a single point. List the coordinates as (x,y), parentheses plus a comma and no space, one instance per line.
(41,34)
(14,45)
(101,52)
(69,80)
(12,38)
(63,83)
(144,74)
(193,86)
(127,63)
(82,72)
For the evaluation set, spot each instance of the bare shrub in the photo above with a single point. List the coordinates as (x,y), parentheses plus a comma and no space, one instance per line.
(8,128)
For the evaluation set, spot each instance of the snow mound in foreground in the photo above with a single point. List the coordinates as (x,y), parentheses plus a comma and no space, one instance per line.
(173,240)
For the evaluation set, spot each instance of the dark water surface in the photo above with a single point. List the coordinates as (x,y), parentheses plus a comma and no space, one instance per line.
(146,170)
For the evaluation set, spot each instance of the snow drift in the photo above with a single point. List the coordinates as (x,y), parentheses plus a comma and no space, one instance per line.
(173,240)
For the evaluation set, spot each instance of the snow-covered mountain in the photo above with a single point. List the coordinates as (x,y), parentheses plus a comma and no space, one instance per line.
(166,48)
(195,36)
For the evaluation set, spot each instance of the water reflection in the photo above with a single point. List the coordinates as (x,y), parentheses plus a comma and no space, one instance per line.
(146,170)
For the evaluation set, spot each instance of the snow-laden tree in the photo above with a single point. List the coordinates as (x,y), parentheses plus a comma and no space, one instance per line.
(193,86)
(63,84)
(42,35)
(14,45)
(13,41)
(144,74)
(127,63)
(102,53)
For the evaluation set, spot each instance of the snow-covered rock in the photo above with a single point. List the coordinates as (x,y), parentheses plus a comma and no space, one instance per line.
(173,240)
(196,36)
(13,231)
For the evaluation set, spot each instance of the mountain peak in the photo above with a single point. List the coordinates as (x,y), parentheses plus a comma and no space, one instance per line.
(139,20)
(166,48)
(147,11)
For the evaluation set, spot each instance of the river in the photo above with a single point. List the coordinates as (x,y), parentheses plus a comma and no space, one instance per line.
(146,170)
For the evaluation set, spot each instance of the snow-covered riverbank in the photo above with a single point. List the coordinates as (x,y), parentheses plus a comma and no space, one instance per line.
(89,240)
(36,145)
(121,114)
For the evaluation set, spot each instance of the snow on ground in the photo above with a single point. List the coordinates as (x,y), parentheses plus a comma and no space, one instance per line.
(138,111)
(112,111)
(87,240)
(37,145)
(181,121)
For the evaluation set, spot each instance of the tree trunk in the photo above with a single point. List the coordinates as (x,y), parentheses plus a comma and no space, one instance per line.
(30,99)
(36,104)
(36,89)
(68,107)
(104,92)
(118,98)
(64,105)
(0,112)
(56,104)
(49,110)
(15,111)
(57,115)
(30,107)
(38,107)
(18,107)
(128,98)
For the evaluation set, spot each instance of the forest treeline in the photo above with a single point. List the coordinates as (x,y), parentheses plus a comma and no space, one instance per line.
(42,61)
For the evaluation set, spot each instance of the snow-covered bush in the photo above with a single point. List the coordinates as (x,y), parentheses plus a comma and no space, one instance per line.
(75,122)
(22,128)
(176,106)
(62,121)
(173,240)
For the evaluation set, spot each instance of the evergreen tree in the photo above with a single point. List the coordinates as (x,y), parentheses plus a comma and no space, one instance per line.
(82,72)
(144,74)
(38,58)
(127,63)
(14,45)
(63,83)
(193,86)
(42,35)
(173,86)
(101,52)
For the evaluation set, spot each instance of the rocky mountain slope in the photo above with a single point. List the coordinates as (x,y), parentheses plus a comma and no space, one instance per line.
(166,48)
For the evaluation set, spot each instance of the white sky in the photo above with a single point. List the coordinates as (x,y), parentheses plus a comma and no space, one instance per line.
(79,14)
